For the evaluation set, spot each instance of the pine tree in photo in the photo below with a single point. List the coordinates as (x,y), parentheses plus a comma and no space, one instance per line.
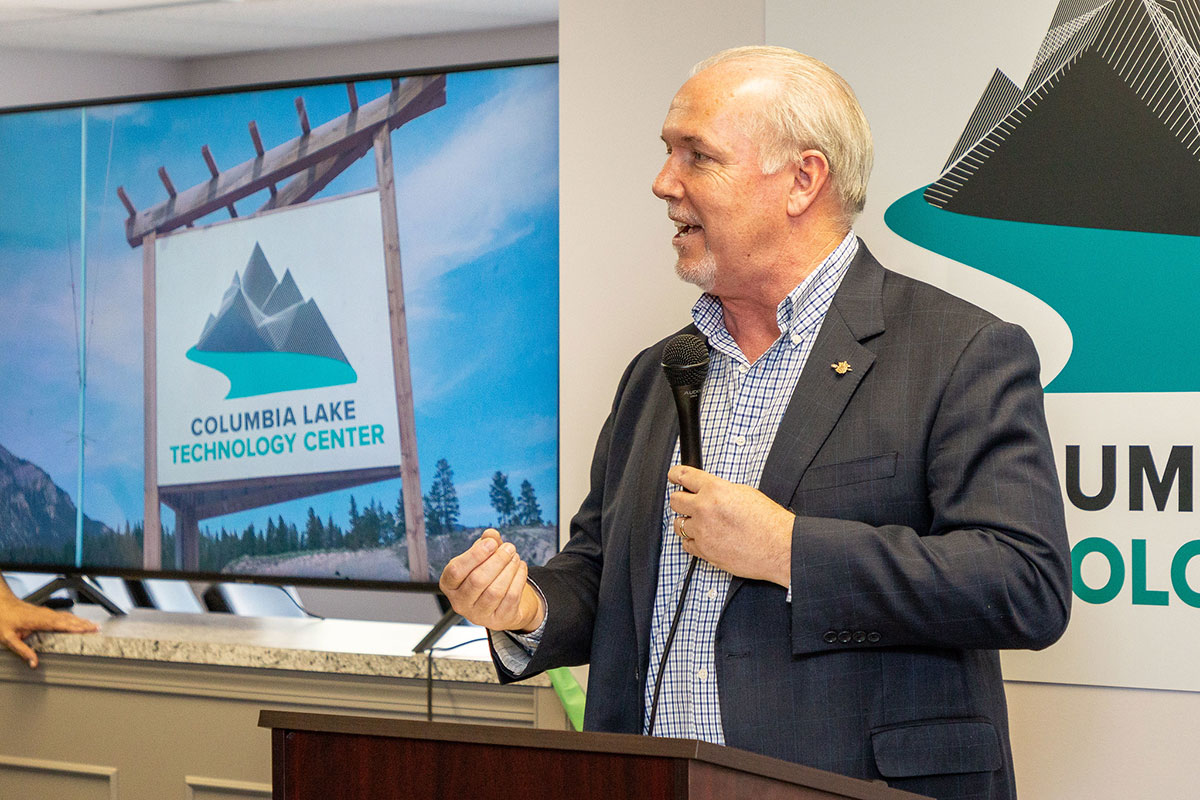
(502,499)
(401,522)
(314,531)
(528,510)
(442,500)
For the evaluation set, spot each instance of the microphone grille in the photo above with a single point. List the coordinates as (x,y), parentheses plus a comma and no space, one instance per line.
(685,360)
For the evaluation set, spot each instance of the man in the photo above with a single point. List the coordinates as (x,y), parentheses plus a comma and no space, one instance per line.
(18,619)
(878,512)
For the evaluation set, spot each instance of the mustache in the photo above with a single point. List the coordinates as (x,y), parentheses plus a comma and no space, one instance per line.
(676,215)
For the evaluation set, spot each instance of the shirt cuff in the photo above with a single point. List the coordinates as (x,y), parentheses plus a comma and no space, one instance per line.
(515,650)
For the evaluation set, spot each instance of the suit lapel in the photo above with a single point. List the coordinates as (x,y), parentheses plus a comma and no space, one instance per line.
(658,429)
(822,393)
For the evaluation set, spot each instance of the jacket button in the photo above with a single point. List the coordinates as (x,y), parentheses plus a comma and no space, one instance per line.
(830,636)
(873,637)
(844,637)
(860,636)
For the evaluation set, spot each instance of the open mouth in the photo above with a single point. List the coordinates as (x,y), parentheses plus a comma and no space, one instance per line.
(683,229)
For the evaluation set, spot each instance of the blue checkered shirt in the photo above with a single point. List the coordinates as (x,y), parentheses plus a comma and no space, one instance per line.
(740,411)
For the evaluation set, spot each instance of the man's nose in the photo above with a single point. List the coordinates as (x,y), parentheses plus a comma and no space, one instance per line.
(666,185)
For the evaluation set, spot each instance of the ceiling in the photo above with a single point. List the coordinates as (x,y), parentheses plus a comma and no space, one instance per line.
(181,29)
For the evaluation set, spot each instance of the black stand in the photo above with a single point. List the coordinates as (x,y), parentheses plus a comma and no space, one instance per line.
(80,587)
(448,621)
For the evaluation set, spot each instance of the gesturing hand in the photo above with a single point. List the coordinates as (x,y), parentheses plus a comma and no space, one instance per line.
(732,526)
(489,585)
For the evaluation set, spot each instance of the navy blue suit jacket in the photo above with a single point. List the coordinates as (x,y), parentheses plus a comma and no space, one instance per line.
(929,533)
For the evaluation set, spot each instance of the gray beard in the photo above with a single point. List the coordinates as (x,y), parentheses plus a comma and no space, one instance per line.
(702,273)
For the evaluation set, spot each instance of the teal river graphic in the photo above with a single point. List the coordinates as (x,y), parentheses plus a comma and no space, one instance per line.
(1129,298)
(258,373)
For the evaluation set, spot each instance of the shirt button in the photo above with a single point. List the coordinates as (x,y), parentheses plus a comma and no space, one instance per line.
(711,594)
(702,674)
(796,338)
(739,440)
(743,368)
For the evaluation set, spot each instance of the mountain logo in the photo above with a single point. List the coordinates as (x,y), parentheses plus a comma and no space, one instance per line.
(267,338)
(1082,186)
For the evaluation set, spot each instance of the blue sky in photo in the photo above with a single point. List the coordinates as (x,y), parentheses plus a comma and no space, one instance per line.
(477,194)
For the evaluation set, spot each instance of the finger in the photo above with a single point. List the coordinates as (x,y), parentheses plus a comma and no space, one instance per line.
(462,565)
(69,623)
(689,478)
(492,533)
(493,596)
(510,604)
(479,582)
(685,503)
(22,650)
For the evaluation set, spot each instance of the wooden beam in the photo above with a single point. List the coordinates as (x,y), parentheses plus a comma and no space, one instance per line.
(216,173)
(151,516)
(227,497)
(259,151)
(305,186)
(415,97)
(352,95)
(210,161)
(301,112)
(166,181)
(254,137)
(410,465)
(126,202)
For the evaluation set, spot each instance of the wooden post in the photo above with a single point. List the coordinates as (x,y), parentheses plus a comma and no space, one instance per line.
(187,538)
(152,525)
(410,471)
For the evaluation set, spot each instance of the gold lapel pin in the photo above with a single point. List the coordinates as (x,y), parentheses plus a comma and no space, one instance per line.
(841,367)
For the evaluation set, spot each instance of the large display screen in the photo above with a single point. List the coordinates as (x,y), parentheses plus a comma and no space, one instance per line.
(300,333)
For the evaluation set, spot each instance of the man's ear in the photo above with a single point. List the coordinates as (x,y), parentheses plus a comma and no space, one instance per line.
(809,177)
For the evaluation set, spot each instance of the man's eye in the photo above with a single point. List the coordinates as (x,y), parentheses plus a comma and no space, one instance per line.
(700,157)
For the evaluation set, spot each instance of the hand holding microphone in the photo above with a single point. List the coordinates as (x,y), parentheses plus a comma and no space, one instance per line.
(729,525)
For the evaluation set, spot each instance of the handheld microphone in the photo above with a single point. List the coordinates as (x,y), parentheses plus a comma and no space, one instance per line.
(685,363)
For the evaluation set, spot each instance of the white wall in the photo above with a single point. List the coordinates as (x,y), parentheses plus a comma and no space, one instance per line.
(510,44)
(44,76)
(620,64)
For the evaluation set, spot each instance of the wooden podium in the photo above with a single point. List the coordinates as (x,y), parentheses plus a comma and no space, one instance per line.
(330,757)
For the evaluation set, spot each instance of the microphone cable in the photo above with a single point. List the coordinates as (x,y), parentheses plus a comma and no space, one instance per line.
(662,663)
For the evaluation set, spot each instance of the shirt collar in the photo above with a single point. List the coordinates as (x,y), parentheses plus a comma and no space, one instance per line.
(802,309)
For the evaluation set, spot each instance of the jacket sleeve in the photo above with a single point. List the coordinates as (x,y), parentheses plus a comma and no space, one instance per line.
(570,581)
(993,570)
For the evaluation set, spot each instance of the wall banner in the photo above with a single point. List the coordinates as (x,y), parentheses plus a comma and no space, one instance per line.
(1041,160)
(271,351)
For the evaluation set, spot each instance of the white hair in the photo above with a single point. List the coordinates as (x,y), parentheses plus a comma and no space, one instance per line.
(815,109)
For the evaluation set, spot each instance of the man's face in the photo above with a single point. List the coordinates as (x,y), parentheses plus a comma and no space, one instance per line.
(728,214)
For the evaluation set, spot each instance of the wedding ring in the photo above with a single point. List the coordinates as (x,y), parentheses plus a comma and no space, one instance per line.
(682,533)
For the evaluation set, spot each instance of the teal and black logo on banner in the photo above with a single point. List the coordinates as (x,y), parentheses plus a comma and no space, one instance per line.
(267,338)
(1083,187)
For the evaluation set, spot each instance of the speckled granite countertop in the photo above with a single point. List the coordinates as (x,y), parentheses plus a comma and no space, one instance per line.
(352,647)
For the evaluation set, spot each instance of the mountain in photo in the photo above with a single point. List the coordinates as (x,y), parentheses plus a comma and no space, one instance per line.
(1104,133)
(35,514)
(267,338)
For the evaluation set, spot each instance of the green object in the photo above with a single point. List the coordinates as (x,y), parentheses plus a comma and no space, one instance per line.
(254,373)
(570,694)
(1093,278)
